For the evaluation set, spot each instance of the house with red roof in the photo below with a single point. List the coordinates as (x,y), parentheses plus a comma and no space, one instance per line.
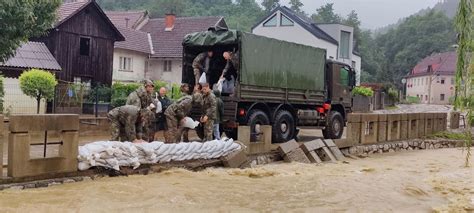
(432,79)
(163,61)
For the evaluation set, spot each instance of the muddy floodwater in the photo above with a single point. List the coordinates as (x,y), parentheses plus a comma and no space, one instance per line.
(416,181)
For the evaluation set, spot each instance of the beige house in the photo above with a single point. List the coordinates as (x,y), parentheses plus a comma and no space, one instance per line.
(432,79)
(337,39)
(152,48)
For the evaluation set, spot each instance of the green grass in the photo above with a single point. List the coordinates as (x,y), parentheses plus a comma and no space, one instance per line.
(449,135)
(391,107)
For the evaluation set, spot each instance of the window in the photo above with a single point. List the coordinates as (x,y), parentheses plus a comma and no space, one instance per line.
(84,46)
(441,97)
(422,81)
(442,80)
(284,21)
(272,22)
(344,76)
(452,81)
(345,43)
(426,97)
(125,64)
(167,66)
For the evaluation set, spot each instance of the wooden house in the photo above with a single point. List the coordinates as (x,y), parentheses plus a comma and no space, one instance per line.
(82,41)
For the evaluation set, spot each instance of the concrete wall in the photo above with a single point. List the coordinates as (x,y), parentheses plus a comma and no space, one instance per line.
(366,128)
(139,66)
(420,86)
(16,102)
(358,67)
(156,70)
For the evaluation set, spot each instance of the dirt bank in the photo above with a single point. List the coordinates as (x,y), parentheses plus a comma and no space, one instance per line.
(419,181)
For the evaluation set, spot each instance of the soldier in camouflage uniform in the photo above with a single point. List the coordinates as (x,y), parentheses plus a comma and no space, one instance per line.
(202,64)
(175,114)
(127,123)
(142,98)
(209,110)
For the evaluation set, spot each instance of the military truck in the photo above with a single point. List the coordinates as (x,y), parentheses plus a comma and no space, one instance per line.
(282,84)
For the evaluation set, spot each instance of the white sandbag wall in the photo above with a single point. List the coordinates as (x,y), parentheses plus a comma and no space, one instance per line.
(113,154)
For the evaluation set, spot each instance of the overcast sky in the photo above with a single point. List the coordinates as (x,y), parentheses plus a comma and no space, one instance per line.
(372,13)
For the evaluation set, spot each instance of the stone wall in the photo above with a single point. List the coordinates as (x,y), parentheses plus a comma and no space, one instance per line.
(409,145)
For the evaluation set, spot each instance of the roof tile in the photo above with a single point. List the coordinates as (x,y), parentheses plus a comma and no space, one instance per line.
(441,63)
(134,40)
(168,44)
(33,55)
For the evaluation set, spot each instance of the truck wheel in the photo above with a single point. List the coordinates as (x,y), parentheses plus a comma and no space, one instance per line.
(335,126)
(284,127)
(256,119)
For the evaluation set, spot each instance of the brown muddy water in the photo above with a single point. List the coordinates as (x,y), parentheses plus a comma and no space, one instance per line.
(416,181)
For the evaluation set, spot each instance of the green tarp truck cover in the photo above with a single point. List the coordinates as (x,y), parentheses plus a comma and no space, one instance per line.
(211,38)
(269,62)
(274,63)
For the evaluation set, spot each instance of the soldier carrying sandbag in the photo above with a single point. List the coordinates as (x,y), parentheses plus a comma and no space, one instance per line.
(142,98)
(127,122)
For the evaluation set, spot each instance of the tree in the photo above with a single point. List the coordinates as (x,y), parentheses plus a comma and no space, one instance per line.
(23,19)
(353,21)
(270,4)
(326,14)
(159,8)
(38,84)
(465,67)
(296,5)
(414,39)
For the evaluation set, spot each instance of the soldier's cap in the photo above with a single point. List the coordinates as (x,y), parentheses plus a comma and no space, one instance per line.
(148,83)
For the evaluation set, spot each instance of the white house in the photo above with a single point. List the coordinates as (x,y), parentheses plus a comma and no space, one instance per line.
(131,56)
(152,48)
(167,35)
(284,24)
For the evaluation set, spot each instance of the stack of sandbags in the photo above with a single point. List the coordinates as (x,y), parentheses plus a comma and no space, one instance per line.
(112,154)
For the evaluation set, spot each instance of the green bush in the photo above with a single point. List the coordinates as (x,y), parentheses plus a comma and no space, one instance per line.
(412,100)
(38,84)
(103,93)
(2,93)
(363,91)
(449,135)
(393,94)
(120,92)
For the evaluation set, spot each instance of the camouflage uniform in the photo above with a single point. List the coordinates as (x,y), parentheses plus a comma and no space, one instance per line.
(140,98)
(201,64)
(174,114)
(209,109)
(125,125)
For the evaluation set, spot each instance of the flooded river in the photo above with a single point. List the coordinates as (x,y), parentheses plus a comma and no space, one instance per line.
(418,181)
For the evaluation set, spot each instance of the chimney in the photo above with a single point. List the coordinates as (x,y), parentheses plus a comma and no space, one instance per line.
(126,22)
(170,18)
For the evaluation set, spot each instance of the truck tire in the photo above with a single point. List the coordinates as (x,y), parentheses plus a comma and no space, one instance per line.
(256,118)
(334,127)
(284,128)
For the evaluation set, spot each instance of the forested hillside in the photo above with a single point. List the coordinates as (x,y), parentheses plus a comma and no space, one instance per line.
(385,57)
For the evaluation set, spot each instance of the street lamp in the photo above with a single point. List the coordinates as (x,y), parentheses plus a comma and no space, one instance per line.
(404,82)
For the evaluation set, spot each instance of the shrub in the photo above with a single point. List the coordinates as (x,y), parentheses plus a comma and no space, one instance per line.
(363,91)
(102,92)
(120,92)
(393,94)
(38,84)
(412,100)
